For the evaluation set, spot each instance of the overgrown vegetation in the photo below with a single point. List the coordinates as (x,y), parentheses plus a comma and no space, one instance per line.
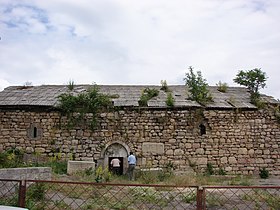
(11,158)
(147,94)
(164,86)
(277,113)
(197,87)
(71,85)
(222,87)
(75,107)
(259,197)
(254,80)
(209,169)
(264,174)
(170,100)
(102,175)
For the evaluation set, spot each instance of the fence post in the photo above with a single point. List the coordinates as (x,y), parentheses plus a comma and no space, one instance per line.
(22,193)
(200,198)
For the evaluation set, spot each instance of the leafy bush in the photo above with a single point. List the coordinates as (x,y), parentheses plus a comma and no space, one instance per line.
(36,191)
(147,94)
(90,102)
(222,87)
(221,171)
(12,158)
(58,167)
(189,197)
(164,86)
(170,100)
(264,174)
(209,169)
(102,175)
(71,85)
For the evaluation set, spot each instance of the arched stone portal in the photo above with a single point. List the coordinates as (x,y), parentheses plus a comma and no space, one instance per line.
(112,150)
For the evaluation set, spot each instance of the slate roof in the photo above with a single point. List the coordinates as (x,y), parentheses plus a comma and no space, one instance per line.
(128,96)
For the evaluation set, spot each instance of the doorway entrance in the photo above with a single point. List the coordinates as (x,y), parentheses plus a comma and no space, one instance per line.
(115,150)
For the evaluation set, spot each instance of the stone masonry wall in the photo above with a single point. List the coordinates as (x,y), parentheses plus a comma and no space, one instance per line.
(238,141)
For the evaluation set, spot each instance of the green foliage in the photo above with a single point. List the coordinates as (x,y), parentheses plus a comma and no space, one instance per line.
(11,200)
(150,176)
(102,175)
(148,195)
(215,201)
(164,86)
(221,171)
(89,171)
(71,85)
(12,158)
(170,100)
(257,101)
(264,174)
(36,191)
(209,169)
(259,197)
(222,87)
(75,107)
(58,167)
(277,113)
(198,87)
(189,197)
(240,180)
(252,79)
(147,94)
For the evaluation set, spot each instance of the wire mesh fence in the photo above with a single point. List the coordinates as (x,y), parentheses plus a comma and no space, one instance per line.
(242,197)
(9,192)
(35,195)
(72,195)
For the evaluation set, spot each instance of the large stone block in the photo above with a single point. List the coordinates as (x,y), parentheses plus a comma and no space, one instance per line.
(232,160)
(201,161)
(75,166)
(150,147)
(224,160)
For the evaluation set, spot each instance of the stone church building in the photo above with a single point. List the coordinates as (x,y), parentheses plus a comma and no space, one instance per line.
(230,133)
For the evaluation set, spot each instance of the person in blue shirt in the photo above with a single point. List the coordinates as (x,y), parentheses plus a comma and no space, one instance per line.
(131,166)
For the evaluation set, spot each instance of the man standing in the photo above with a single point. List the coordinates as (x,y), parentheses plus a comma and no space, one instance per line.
(131,166)
(115,163)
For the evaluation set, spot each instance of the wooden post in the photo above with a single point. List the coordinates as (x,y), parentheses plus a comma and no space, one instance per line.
(22,193)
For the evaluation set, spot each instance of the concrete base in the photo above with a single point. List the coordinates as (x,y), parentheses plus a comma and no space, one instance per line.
(75,166)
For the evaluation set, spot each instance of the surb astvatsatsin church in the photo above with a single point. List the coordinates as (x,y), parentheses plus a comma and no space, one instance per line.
(229,132)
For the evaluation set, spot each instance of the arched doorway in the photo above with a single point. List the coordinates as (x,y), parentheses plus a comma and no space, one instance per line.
(115,150)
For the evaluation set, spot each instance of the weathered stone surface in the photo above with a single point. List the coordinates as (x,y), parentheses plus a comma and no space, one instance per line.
(169,152)
(200,151)
(157,148)
(201,161)
(75,166)
(243,151)
(178,152)
(232,160)
(224,160)
(157,137)
(32,173)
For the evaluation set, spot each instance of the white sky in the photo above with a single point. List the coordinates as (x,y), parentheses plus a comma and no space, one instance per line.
(137,41)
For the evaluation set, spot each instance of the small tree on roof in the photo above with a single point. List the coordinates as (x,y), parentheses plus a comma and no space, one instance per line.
(252,79)
(198,87)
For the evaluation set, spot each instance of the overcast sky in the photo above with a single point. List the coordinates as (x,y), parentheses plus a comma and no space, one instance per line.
(137,41)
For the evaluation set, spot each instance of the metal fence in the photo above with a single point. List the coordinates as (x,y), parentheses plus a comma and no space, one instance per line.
(34,194)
